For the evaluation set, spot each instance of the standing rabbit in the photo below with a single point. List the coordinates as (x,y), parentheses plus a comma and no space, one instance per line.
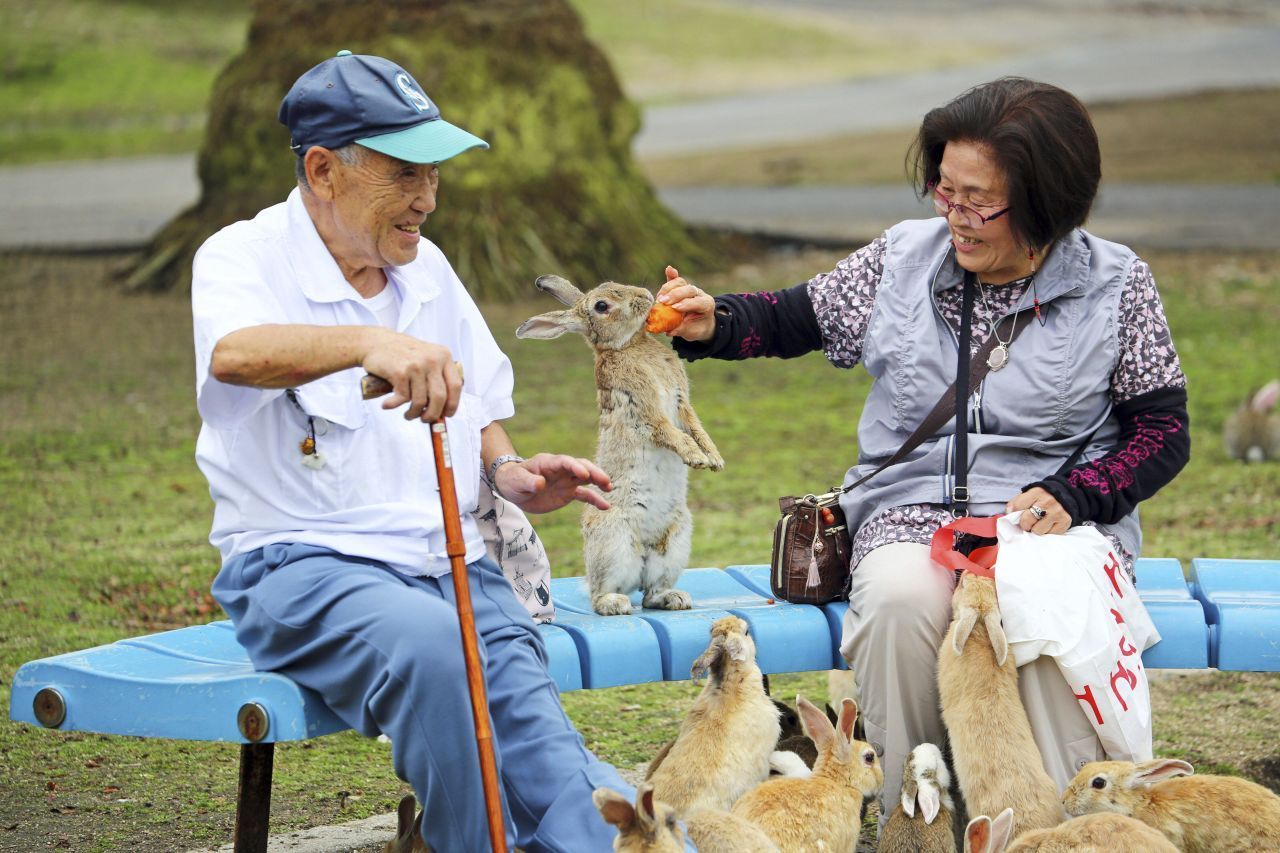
(926,783)
(1252,433)
(996,758)
(408,830)
(648,434)
(725,741)
(1095,833)
(824,811)
(1194,812)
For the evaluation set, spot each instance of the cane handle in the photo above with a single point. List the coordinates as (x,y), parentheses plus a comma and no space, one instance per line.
(372,387)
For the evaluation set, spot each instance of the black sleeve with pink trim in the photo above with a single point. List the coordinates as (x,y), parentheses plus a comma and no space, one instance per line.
(779,323)
(1153,446)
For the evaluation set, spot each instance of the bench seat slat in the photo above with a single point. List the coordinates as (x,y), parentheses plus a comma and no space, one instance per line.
(1241,600)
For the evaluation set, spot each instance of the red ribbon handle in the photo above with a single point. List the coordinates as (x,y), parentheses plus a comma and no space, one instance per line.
(981,562)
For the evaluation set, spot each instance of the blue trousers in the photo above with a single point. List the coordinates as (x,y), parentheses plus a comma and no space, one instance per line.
(383,651)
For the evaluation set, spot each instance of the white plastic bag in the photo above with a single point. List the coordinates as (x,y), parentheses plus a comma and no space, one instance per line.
(1067,596)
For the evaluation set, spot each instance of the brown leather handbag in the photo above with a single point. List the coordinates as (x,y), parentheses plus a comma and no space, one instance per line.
(811,542)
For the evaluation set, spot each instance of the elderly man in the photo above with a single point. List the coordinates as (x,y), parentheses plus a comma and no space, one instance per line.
(327,511)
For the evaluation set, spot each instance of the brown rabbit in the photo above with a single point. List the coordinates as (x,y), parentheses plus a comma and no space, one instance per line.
(995,755)
(725,741)
(1194,812)
(1252,433)
(650,826)
(649,437)
(824,811)
(1096,833)
(926,783)
(408,830)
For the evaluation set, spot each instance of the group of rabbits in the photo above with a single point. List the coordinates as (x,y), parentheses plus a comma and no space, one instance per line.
(715,776)
(1113,806)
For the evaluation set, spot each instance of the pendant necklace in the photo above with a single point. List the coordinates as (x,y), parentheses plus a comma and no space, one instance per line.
(999,355)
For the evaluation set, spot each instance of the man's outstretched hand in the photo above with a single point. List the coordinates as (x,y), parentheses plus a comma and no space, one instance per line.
(549,481)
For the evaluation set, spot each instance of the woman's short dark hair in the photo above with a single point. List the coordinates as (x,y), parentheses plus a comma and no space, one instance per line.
(1041,138)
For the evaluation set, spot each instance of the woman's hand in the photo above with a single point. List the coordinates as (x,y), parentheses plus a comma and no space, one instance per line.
(1054,520)
(698,308)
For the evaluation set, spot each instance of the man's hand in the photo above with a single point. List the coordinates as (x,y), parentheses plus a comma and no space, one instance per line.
(1055,518)
(421,374)
(549,481)
(698,308)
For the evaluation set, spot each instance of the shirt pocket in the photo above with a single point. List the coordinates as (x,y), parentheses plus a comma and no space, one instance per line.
(332,411)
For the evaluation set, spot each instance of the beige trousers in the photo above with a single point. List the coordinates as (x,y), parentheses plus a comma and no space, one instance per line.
(899,611)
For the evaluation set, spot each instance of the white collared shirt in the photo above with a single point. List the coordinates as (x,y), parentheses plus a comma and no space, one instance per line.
(375,495)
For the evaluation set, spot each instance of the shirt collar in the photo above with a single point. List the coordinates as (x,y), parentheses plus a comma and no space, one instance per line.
(1065,271)
(319,276)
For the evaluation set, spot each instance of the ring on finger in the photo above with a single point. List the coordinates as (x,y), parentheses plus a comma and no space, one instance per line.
(1038,512)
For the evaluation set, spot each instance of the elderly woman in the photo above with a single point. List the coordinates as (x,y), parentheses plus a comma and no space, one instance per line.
(1012,168)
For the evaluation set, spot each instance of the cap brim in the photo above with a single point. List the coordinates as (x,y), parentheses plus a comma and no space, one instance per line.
(430,142)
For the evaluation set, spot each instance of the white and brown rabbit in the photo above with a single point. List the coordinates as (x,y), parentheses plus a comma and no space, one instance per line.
(1194,812)
(1252,432)
(726,739)
(1095,833)
(922,822)
(649,437)
(408,830)
(994,753)
(824,811)
(650,826)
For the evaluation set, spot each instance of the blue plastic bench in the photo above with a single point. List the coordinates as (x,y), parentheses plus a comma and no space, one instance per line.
(197,683)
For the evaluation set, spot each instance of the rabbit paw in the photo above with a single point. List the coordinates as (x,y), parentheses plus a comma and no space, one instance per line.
(611,604)
(668,599)
(715,461)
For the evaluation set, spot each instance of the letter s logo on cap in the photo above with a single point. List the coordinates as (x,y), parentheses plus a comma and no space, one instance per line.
(415,97)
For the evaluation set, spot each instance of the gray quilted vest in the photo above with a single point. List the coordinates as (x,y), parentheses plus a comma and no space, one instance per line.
(1024,420)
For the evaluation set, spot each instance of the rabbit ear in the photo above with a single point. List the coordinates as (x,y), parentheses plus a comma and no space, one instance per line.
(1266,396)
(614,808)
(736,647)
(562,290)
(848,716)
(909,789)
(977,835)
(645,811)
(1001,829)
(930,802)
(815,723)
(712,659)
(553,324)
(965,620)
(404,817)
(999,642)
(1149,772)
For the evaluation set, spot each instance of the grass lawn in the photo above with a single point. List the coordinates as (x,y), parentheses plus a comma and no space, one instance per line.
(106,518)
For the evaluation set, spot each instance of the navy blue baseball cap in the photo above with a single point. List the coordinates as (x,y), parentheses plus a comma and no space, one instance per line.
(372,102)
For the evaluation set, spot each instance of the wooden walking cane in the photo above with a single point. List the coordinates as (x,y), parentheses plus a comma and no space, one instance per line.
(375,386)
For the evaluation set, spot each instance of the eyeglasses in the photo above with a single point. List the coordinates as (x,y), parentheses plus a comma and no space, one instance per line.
(972,218)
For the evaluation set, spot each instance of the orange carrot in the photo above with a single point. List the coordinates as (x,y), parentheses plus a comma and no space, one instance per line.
(663,318)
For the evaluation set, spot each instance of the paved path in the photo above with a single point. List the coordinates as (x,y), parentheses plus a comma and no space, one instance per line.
(121,203)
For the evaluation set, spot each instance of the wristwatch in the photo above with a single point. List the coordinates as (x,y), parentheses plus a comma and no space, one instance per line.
(498,463)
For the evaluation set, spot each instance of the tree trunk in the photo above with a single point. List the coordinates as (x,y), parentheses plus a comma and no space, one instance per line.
(558,192)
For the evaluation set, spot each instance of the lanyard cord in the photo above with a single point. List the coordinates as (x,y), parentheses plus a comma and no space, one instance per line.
(960,490)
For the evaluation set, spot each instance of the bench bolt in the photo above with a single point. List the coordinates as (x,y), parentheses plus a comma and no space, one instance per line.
(50,708)
(253,722)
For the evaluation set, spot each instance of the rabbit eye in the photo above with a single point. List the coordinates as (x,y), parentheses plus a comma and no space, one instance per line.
(1099,782)
(869,757)
(601,307)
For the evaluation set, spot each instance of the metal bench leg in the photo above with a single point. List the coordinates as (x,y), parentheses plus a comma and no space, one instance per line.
(253,805)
